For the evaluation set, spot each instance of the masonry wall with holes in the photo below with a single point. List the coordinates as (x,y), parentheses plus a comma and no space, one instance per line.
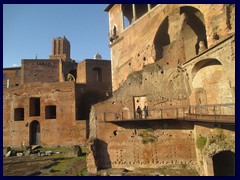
(178,60)
(43,114)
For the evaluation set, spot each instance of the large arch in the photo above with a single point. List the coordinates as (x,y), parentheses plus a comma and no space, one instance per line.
(209,83)
(34,133)
(203,63)
(193,31)
(162,40)
(224,163)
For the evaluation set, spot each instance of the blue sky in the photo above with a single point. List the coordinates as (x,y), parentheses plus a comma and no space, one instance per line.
(28,29)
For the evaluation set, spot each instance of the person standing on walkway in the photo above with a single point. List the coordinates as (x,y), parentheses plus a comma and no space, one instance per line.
(139,112)
(145,112)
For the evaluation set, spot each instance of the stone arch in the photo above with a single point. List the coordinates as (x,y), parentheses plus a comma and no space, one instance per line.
(74,73)
(34,133)
(224,163)
(193,31)
(213,157)
(71,76)
(162,39)
(203,63)
(209,83)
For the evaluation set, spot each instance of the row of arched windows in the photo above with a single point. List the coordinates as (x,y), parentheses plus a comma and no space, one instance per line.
(132,12)
(193,31)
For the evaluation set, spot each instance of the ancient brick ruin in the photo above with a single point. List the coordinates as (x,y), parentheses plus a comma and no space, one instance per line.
(172,100)
(47,101)
(176,63)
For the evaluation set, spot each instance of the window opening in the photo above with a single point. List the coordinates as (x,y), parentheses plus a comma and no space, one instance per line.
(97,74)
(34,107)
(18,114)
(50,112)
(127,11)
(141,9)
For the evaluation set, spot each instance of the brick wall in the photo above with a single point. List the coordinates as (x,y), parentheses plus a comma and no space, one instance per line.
(62,130)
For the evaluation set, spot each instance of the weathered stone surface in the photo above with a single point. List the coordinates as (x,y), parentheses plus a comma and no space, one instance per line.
(174,60)
(91,156)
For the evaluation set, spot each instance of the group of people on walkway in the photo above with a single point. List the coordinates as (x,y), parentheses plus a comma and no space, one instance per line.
(142,113)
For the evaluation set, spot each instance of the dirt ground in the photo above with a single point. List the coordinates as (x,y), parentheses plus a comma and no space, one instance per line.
(63,164)
(163,171)
(55,165)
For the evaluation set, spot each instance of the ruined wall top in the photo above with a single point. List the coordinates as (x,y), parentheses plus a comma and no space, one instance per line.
(60,49)
(144,34)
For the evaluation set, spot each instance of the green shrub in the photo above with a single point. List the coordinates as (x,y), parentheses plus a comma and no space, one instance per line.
(147,136)
(201,142)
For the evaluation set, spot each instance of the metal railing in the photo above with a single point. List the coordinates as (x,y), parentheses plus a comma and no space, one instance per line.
(211,111)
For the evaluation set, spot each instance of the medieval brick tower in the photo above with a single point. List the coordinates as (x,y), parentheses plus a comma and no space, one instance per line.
(60,49)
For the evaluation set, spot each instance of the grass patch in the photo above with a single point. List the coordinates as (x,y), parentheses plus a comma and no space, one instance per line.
(147,136)
(83,172)
(68,166)
(201,142)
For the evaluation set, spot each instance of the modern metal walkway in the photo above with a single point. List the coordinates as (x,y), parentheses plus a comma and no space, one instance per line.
(222,113)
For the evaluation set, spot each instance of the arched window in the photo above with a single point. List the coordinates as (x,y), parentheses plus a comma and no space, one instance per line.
(113,34)
(127,15)
(114,31)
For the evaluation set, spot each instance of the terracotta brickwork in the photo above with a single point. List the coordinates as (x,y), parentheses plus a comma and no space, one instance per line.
(12,75)
(176,63)
(40,71)
(63,129)
(47,103)
(94,72)
(130,54)
(61,49)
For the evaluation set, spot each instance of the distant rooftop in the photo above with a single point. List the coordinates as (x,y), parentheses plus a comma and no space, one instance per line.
(97,56)
(12,68)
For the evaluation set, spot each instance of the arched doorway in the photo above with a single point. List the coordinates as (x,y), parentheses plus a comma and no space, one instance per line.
(34,136)
(224,163)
